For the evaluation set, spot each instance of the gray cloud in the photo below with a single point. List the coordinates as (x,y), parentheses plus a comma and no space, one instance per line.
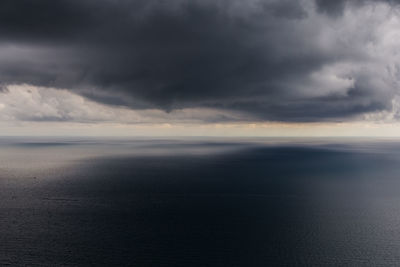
(331,7)
(271,60)
(336,7)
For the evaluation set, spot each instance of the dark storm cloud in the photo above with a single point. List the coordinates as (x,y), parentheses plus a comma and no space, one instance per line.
(335,7)
(250,56)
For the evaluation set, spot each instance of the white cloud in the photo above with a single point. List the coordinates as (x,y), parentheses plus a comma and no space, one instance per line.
(30,103)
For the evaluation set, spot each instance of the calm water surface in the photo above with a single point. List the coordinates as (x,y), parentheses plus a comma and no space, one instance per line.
(215,202)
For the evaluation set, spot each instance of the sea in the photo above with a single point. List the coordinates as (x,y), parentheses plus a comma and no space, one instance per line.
(85,201)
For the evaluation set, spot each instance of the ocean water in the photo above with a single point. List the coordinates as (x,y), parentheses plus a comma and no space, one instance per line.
(199,202)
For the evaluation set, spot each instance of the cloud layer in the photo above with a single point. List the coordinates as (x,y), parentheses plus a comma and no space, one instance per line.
(23,103)
(276,60)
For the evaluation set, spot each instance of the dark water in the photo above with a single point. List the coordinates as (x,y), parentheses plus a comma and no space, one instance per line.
(88,202)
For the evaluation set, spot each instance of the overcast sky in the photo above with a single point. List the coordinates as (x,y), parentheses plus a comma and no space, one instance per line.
(200,63)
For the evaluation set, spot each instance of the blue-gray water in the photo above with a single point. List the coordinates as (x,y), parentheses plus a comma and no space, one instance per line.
(215,202)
